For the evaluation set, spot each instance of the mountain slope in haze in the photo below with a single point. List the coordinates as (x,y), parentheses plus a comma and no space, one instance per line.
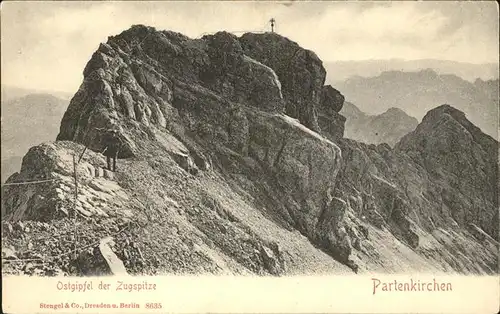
(27,121)
(418,92)
(388,127)
(234,162)
(343,70)
(13,92)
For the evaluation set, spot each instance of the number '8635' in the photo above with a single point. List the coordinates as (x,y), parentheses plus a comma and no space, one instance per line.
(153,305)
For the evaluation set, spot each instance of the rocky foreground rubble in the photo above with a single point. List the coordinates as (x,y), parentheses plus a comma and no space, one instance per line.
(234,162)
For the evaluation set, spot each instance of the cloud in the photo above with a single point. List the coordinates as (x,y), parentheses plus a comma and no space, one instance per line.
(409,30)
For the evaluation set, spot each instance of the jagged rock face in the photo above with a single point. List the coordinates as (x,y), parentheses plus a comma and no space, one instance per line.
(331,99)
(137,74)
(463,161)
(98,195)
(202,104)
(214,177)
(329,120)
(430,190)
(169,80)
(369,183)
(333,219)
(300,71)
(332,125)
(241,78)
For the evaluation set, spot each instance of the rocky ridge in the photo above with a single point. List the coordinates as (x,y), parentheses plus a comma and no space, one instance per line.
(417,92)
(388,127)
(235,162)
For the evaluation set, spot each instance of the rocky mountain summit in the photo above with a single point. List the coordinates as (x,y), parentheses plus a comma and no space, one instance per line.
(417,92)
(234,162)
(388,127)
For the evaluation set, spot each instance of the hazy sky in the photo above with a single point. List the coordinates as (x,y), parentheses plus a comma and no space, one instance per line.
(45,45)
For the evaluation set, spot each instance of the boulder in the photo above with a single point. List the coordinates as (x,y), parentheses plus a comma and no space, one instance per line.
(331,231)
(331,99)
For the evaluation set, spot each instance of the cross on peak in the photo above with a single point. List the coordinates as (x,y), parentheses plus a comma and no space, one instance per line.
(273,21)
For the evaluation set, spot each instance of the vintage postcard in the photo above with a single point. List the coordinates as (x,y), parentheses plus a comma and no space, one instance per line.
(249,157)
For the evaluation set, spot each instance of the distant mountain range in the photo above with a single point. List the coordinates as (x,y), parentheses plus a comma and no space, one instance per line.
(342,70)
(27,121)
(14,92)
(388,127)
(418,92)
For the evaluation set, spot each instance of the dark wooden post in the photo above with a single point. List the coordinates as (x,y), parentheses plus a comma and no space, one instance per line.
(74,205)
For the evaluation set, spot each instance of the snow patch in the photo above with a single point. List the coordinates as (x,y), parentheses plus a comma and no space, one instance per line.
(275,77)
(297,124)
